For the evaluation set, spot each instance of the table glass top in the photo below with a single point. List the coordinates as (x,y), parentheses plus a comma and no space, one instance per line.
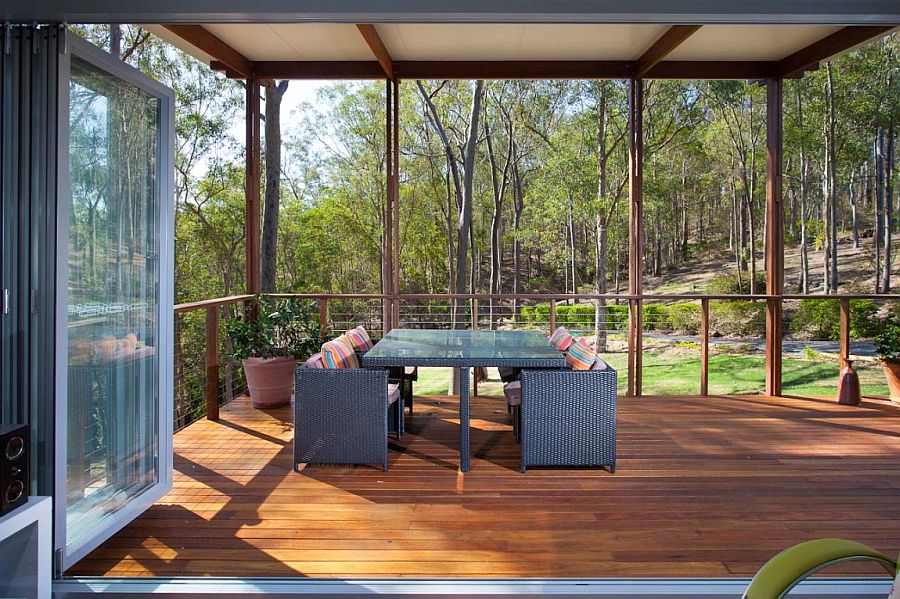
(464,345)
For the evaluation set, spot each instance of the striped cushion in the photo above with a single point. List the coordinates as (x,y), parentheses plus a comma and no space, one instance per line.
(581,355)
(338,353)
(561,338)
(359,339)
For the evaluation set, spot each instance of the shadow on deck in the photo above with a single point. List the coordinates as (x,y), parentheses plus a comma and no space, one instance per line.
(707,487)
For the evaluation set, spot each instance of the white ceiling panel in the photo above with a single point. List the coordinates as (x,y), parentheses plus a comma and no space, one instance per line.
(748,42)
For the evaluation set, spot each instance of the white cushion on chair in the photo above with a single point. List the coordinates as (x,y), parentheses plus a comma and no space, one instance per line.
(599,364)
(513,393)
(393,393)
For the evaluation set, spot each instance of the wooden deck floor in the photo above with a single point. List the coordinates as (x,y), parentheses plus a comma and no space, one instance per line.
(705,487)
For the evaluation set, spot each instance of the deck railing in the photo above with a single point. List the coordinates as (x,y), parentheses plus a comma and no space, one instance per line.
(207,376)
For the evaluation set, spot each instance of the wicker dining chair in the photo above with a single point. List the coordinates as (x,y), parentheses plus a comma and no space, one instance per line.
(344,415)
(566,417)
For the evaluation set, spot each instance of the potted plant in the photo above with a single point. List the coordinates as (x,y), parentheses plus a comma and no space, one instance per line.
(887,344)
(269,345)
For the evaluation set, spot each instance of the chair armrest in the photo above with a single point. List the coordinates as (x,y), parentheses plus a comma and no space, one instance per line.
(790,567)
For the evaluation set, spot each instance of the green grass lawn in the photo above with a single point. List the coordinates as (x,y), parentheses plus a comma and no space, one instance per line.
(666,374)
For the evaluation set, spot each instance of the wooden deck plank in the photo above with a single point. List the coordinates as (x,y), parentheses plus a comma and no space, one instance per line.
(704,487)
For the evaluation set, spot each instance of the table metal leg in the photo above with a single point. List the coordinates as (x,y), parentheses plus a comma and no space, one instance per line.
(464,419)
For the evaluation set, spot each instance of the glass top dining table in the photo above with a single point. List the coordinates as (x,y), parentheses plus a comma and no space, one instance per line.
(463,349)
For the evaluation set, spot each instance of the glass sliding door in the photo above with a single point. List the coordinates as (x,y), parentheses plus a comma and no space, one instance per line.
(114,354)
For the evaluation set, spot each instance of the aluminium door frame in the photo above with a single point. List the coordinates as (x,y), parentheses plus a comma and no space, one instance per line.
(112,523)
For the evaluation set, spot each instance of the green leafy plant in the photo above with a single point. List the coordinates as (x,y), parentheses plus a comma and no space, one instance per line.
(887,339)
(685,318)
(282,327)
(821,318)
(730,284)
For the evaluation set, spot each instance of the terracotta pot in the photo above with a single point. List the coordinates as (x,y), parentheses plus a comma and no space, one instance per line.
(269,380)
(892,374)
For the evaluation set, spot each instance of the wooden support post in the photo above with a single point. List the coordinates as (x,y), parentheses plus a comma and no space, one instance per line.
(388,233)
(395,175)
(475,328)
(774,236)
(635,233)
(552,316)
(845,332)
(251,187)
(704,347)
(212,362)
(323,315)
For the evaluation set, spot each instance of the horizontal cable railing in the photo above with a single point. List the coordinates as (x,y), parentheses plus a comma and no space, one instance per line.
(674,330)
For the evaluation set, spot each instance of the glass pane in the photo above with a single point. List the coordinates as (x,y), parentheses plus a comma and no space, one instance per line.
(113,416)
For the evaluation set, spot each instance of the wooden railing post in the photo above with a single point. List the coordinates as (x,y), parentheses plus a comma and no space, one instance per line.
(845,332)
(323,315)
(212,362)
(475,328)
(552,316)
(704,347)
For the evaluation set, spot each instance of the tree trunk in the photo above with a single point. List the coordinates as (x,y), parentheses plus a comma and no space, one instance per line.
(832,184)
(854,220)
(269,244)
(879,203)
(804,171)
(888,210)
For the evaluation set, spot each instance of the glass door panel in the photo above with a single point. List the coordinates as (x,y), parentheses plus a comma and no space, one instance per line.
(117,313)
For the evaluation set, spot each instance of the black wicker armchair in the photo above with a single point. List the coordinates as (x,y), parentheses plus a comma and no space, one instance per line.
(343,416)
(567,418)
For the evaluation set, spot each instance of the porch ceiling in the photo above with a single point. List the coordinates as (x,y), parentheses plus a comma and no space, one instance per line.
(282,42)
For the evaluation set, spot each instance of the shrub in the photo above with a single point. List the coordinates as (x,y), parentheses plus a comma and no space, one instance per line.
(738,318)
(684,318)
(656,317)
(821,318)
(887,339)
(616,317)
(730,285)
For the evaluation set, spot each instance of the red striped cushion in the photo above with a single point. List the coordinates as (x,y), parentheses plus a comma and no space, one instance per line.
(561,338)
(359,339)
(338,353)
(580,355)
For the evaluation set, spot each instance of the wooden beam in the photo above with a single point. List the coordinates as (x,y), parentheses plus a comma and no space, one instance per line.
(774,235)
(211,351)
(671,39)
(395,175)
(202,38)
(704,347)
(370,34)
(844,346)
(827,47)
(515,69)
(251,186)
(388,234)
(635,232)
(711,69)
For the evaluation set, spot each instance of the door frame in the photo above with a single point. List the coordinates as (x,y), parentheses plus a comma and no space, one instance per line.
(98,58)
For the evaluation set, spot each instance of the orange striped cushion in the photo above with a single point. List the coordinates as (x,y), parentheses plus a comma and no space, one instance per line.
(359,339)
(561,338)
(581,355)
(338,353)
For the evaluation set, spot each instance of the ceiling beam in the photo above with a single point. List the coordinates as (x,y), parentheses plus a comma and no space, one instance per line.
(827,47)
(202,38)
(514,69)
(370,34)
(671,39)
